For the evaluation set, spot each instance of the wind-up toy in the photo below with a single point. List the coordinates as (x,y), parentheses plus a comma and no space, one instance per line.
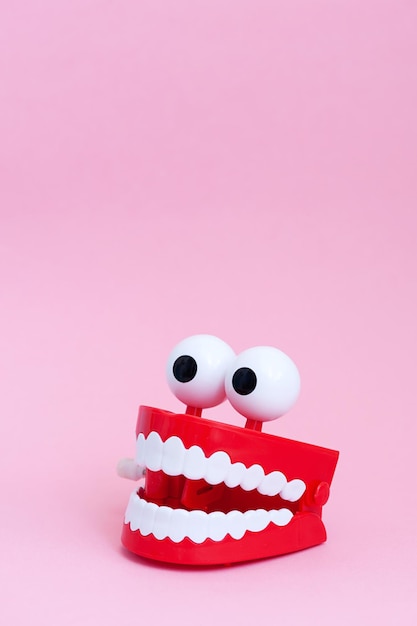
(212,493)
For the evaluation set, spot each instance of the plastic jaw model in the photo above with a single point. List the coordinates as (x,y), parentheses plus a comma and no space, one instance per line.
(213,493)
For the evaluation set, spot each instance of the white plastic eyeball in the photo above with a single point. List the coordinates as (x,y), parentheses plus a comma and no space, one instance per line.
(262,383)
(196,369)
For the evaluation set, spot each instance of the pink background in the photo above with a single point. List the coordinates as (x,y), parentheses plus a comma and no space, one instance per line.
(246,169)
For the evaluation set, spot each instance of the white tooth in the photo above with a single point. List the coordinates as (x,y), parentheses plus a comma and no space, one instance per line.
(272,484)
(197,526)
(256,520)
(140,449)
(173,456)
(139,512)
(162,522)
(130,505)
(131,508)
(235,475)
(252,477)
(179,525)
(148,518)
(217,526)
(236,524)
(281,517)
(217,467)
(195,463)
(293,490)
(153,452)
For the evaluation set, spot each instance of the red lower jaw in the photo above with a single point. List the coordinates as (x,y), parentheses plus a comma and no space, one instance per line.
(304,531)
(312,464)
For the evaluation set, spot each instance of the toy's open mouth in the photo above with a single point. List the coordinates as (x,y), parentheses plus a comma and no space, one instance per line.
(206,498)
(232,493)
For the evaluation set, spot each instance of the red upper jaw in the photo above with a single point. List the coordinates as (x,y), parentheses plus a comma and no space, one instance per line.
(167,492)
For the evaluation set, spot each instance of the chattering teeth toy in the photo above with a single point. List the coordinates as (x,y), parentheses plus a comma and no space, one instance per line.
(212,493)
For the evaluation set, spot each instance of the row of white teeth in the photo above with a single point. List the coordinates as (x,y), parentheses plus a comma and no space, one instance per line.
(174,459)
(163,521)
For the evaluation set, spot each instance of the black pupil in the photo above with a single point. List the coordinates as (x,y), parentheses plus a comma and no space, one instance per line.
(244,381)
(184,368)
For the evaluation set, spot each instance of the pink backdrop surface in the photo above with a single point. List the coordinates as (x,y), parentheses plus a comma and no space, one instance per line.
(246,169)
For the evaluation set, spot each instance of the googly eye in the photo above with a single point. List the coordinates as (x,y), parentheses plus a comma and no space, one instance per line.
(262,383)
(196,369)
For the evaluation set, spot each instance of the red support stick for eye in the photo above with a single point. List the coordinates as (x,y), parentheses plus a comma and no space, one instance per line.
(254,424)
(193,410)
